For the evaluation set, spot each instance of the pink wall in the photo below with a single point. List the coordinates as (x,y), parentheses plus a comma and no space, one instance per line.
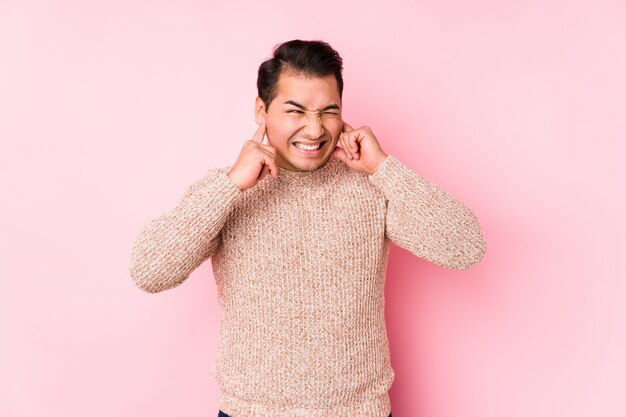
(109,110)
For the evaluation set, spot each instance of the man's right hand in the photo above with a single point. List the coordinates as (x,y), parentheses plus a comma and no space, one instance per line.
(254,162)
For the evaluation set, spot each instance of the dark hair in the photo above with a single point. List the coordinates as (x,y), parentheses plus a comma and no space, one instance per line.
(309,58)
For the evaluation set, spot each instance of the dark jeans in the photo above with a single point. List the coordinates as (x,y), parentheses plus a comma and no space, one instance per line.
(223,414)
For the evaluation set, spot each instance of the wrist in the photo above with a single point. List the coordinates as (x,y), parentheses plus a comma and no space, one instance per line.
(379,162)
(232,178)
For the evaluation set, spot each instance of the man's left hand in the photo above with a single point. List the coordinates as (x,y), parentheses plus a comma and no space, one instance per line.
(359,149)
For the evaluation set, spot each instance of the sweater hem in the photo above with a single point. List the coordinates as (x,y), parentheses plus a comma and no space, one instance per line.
(379,406)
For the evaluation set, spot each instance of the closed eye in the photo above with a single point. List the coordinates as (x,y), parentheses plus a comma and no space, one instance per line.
(300,111)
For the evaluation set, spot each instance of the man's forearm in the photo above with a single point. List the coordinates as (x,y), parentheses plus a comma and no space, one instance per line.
(171,246)
(426,220)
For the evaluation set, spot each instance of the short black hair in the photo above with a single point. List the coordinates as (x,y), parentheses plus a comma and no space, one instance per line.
(309,58)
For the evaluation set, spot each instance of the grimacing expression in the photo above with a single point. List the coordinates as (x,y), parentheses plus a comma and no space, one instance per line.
(306,110)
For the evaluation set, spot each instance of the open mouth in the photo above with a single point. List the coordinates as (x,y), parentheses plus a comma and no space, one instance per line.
(308,149)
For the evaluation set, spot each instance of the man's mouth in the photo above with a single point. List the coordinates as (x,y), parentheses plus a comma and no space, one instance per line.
(309,147)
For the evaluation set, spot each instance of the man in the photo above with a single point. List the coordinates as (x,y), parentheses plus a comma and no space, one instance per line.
(298,230)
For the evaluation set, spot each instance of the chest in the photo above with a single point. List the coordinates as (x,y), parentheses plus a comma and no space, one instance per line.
(320,225)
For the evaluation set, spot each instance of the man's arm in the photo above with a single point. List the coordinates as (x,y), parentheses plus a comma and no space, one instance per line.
(170,247)
(427,221)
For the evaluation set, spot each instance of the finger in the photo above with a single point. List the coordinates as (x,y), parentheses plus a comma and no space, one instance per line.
(339,154)
(269,148)
(347,152)
(346,146)
(273,167)
(354,146)
(343,145)
(264,171)
(269,163)
(346,127)
(259,135)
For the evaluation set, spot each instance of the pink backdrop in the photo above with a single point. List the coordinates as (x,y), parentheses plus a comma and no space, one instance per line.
(109,110)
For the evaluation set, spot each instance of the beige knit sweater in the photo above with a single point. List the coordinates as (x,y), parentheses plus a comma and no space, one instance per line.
(300,264)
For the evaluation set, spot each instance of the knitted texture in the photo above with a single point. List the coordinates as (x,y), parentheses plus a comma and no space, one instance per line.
(300,263)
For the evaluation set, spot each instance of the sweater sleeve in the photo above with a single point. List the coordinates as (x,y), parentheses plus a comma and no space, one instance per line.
(170,247)
(425,220)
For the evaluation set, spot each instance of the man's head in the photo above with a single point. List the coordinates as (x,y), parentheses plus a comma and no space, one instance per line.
(299,96)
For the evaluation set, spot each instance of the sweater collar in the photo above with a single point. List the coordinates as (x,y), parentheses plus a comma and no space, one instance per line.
(306,177)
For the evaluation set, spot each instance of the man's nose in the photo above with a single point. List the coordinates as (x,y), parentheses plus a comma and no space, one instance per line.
(313,127)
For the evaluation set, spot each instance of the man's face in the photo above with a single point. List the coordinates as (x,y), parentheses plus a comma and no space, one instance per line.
(305,110)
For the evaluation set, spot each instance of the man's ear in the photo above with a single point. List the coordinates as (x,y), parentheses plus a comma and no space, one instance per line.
(259,110)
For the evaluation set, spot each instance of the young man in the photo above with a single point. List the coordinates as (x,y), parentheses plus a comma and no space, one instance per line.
(298,230)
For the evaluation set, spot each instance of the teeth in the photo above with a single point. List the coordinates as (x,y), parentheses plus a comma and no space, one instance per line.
(307,147)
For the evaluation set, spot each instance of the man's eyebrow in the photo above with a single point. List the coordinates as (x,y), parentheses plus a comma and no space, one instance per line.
(330,106)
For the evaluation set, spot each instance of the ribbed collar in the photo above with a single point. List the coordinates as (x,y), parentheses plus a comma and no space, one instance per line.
(317,176)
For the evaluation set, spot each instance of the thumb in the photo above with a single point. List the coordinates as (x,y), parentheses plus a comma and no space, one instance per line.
(339,154)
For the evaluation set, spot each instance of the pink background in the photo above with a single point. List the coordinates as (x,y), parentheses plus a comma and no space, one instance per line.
(110,109)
